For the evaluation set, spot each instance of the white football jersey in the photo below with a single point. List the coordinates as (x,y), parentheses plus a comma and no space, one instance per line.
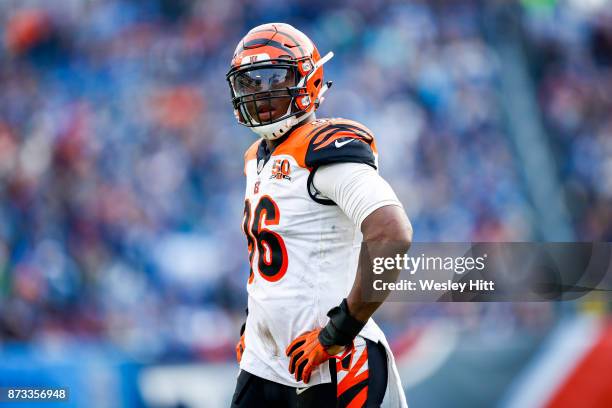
(303,249)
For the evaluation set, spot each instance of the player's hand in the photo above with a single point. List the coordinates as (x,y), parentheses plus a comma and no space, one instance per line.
(240,346)
(306,353)
(240,349)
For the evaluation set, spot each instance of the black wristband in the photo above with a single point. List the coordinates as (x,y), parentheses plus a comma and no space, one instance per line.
(342,328)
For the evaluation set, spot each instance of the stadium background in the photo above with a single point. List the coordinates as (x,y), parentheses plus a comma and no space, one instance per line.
(122,263)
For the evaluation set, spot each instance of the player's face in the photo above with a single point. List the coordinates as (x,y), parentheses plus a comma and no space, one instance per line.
(266,108)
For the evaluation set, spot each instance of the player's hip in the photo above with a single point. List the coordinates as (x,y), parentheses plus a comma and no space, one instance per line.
(359,380)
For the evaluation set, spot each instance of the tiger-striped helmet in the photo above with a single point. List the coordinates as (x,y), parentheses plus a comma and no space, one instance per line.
(276,79)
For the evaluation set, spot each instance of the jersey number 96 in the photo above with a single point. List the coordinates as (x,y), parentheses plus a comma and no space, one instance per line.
(272,253)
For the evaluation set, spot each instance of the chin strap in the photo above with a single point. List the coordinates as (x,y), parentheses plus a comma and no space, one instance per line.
(280,129)
(323,60)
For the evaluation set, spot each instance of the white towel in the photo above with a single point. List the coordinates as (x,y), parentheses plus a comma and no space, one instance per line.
(394,395)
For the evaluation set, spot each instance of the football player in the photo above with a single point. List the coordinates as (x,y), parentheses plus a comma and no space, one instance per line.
(313,194)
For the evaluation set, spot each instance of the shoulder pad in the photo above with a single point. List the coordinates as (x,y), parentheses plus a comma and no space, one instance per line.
(340,140)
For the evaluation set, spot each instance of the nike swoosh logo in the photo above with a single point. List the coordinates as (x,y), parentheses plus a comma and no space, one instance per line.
(339,144)
(298,391)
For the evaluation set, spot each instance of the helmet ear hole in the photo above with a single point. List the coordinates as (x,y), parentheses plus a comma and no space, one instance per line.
(316,83)
(302,102)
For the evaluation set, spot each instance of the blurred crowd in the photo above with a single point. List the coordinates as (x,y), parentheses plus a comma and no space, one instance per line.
(121,162)
(573,76)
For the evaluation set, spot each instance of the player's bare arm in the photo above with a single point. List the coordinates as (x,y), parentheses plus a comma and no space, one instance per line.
(390,229)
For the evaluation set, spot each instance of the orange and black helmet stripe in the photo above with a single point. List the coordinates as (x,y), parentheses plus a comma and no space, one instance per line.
(274,38)
(287,40)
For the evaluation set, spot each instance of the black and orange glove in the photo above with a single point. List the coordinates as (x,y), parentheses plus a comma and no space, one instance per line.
(305,354)
(309,350)
(240,345)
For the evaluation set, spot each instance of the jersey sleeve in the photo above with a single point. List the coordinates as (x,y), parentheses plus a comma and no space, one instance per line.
(341,141)
(356,188)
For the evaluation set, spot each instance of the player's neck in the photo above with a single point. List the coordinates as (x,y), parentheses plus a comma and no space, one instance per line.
(272,144)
